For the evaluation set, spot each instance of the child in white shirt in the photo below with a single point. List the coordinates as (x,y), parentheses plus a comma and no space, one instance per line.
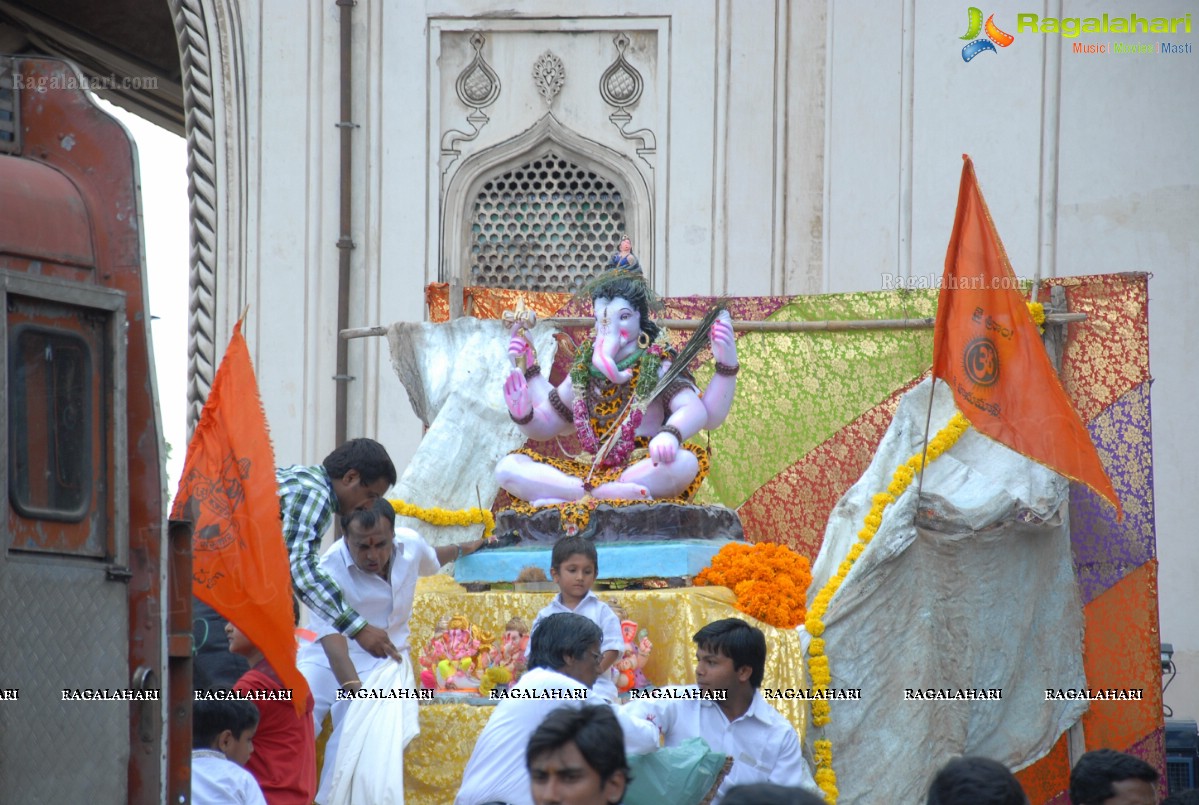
(222,741)
(574,565)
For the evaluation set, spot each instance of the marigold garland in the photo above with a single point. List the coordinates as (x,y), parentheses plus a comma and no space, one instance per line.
(1037,311)
(443,517)
(818,666)
(770,581)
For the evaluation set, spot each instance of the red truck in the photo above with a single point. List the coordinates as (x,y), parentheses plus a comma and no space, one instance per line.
(95,607)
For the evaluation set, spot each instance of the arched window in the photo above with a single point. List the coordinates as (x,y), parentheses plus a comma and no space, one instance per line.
(549,224)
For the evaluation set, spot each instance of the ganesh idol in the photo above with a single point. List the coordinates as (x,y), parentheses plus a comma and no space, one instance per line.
(632,413)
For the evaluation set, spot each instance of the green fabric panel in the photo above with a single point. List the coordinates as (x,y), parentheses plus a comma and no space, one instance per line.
(796,389)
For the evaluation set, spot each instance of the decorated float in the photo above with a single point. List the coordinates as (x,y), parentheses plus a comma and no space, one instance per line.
(891,547)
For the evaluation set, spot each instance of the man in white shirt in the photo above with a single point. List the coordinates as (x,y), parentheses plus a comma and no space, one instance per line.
(730,661)
(376,566)
(564,660)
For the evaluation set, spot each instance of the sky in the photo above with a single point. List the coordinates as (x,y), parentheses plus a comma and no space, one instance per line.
(162,161)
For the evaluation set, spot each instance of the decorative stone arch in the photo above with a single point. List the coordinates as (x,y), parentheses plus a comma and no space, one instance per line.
(212,60)
(547,136)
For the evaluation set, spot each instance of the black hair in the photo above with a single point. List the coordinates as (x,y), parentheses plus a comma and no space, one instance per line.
(975,780)
(369,517)
(211,717)
(1188,797)
(631,287)
(365,455)
(1092,776)
(560,635)
(737,640)
(593,730)
(769,794)
(569,546)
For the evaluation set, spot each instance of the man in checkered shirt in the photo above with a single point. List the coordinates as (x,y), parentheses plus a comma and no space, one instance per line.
(353,476)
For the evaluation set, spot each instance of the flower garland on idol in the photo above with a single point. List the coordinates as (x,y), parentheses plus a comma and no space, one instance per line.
(818,666)
(446,517)
(649,361)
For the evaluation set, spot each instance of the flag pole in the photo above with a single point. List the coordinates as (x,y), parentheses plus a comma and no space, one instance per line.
(928,419)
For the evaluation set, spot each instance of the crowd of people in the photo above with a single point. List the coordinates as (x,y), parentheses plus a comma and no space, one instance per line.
(560,736)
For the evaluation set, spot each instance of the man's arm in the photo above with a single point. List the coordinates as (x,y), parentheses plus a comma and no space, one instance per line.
(452,553)
(646,724)
(306,514)
(337,649)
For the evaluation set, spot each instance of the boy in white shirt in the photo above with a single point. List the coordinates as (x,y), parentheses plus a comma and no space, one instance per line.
(574,565)
(222,741)
(730,661)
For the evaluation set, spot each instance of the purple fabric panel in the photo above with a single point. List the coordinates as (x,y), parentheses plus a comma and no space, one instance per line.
(1152,750)
(1105,550)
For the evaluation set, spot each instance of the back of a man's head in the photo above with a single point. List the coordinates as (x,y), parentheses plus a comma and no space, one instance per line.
(366,456)
(594,730)
(975,781)
(1098,774)
(737,640)
(769,794)
(559,635)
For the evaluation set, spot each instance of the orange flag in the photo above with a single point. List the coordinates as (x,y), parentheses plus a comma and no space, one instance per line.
(228,491)
(987,348)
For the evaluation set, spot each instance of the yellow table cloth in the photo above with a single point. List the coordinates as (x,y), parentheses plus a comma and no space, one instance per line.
(433,763)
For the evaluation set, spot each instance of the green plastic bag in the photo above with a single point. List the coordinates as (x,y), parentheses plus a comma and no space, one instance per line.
(680,775)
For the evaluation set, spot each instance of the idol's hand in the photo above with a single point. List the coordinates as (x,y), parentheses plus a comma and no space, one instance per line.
(519,346)
(724,344)
(516,395)
(663,448)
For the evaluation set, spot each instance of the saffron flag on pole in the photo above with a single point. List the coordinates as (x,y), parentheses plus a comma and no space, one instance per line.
(228,491)
(988,350)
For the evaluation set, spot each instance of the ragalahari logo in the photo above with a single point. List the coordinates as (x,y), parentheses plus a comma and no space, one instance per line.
(994,35)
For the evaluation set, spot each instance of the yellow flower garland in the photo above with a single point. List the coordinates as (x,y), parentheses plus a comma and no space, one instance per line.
(818,666)
(443,517)
(1037,311)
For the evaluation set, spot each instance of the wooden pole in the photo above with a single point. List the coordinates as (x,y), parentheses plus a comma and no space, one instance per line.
(758,326)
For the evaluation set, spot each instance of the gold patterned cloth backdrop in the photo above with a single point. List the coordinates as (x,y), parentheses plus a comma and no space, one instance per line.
(433,763)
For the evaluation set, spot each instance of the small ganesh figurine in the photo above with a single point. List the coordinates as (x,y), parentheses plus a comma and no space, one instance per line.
(629,667)
(452,642)
(511,651)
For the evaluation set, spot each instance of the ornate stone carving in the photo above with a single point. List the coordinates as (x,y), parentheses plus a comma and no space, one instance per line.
(620,86)
(192,33)
(621,83)
(549,76)
(477,86)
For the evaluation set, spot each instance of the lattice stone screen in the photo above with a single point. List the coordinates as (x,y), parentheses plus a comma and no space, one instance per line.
(548,225)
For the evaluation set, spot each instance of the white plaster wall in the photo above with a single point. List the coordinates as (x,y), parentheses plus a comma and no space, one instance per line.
(803,147)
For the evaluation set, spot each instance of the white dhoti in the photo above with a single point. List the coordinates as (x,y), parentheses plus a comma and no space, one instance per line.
(364,759)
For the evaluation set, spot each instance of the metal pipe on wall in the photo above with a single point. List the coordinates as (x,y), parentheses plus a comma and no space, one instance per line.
(345,243)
